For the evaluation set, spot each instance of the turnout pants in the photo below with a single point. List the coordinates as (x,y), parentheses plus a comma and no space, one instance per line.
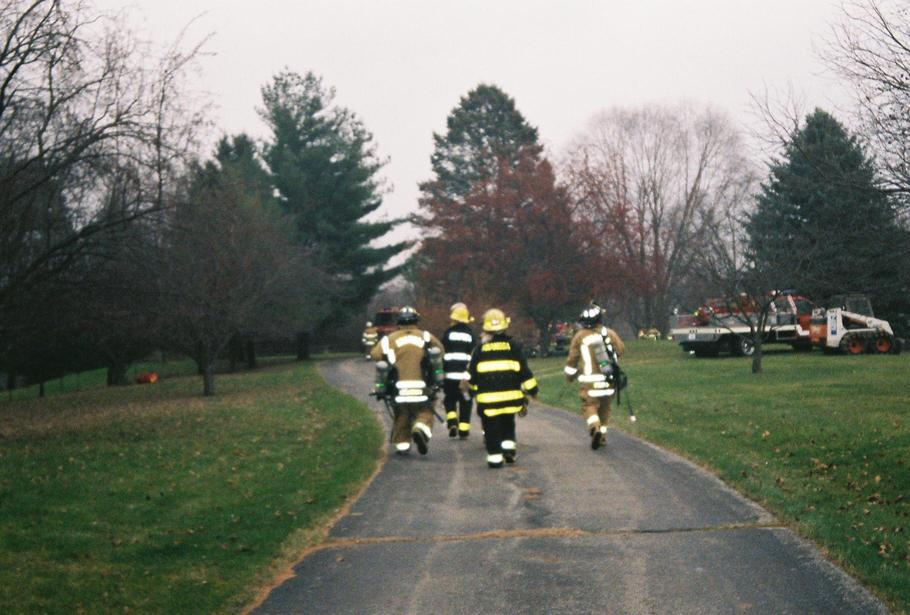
(406,418)
(458,409)
(596,410)
(499,433)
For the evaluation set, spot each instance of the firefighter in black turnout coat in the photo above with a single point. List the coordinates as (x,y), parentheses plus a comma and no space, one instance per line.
(458,341)
(500,378)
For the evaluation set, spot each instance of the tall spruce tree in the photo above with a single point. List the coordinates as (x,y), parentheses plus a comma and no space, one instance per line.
(820,204)
(324,166)
(482,132)
(240,154)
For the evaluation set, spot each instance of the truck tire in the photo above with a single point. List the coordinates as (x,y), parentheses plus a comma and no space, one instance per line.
(741,346)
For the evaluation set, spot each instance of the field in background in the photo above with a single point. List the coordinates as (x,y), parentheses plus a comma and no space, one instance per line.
(821,441)
(153,499)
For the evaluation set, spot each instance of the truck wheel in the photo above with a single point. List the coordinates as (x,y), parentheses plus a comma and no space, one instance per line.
(853,344)
(742,346)
(883,344)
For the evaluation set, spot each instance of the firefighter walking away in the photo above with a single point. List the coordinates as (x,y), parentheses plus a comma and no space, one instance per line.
(593,361)
(368,338)
(410,361)
(458,343)
(500,379)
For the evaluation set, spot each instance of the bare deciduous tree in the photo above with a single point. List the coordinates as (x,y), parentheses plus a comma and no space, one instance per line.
(79,96)
(651,180)
(227,266)
(870,48)
(749,292)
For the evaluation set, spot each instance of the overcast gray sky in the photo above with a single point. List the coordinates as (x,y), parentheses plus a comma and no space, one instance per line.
(402,65)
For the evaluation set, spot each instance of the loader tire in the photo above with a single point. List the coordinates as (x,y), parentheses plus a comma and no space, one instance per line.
(853,344)
(883,344)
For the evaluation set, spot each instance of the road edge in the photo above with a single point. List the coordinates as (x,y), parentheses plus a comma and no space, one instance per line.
(833,566)
(320,533)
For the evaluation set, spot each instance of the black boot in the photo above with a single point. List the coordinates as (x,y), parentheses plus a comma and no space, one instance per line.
(421,440)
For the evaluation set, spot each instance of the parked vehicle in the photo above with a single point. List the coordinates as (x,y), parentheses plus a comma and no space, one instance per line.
(723,325)
(850,326)
(385,321)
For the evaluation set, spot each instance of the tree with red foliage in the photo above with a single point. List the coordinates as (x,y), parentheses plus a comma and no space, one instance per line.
(512,242)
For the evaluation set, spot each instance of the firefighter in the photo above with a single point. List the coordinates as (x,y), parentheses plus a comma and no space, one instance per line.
(406,353)
(369,338)
(458,341)
(592,360)
(499,377)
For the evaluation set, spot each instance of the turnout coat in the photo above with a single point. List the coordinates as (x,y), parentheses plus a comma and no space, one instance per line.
(500,377)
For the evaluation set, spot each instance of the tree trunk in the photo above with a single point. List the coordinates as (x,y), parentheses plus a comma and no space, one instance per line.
(11,378)
(303,346)
(235,351)
(251,354)
(40,389)
(116,374)
(756,356)
(208,379)
(648,313)
(544,329)
(200,360)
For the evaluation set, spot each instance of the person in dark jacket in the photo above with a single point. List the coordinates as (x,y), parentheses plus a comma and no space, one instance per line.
(458,341)
(500,379)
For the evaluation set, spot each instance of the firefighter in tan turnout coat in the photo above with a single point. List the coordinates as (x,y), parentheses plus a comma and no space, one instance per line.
(368,338)
(592,358)
(405,353)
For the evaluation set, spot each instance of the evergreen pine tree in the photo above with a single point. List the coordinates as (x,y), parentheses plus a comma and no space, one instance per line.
(820,205)
(240,154)
(323,164)
(482,132)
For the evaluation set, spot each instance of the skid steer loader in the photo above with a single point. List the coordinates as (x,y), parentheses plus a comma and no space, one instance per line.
(850,326)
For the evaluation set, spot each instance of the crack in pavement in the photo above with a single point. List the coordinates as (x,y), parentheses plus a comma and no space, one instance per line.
(553,532)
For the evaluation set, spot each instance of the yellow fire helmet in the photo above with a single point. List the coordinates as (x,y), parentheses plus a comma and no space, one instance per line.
(495,320)
(459,313)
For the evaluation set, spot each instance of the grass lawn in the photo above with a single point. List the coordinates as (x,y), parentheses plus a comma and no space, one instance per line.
(154,499)
(821,441)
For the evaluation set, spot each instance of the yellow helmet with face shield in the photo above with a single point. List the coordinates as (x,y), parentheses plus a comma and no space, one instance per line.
(459,313)
(495,320)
